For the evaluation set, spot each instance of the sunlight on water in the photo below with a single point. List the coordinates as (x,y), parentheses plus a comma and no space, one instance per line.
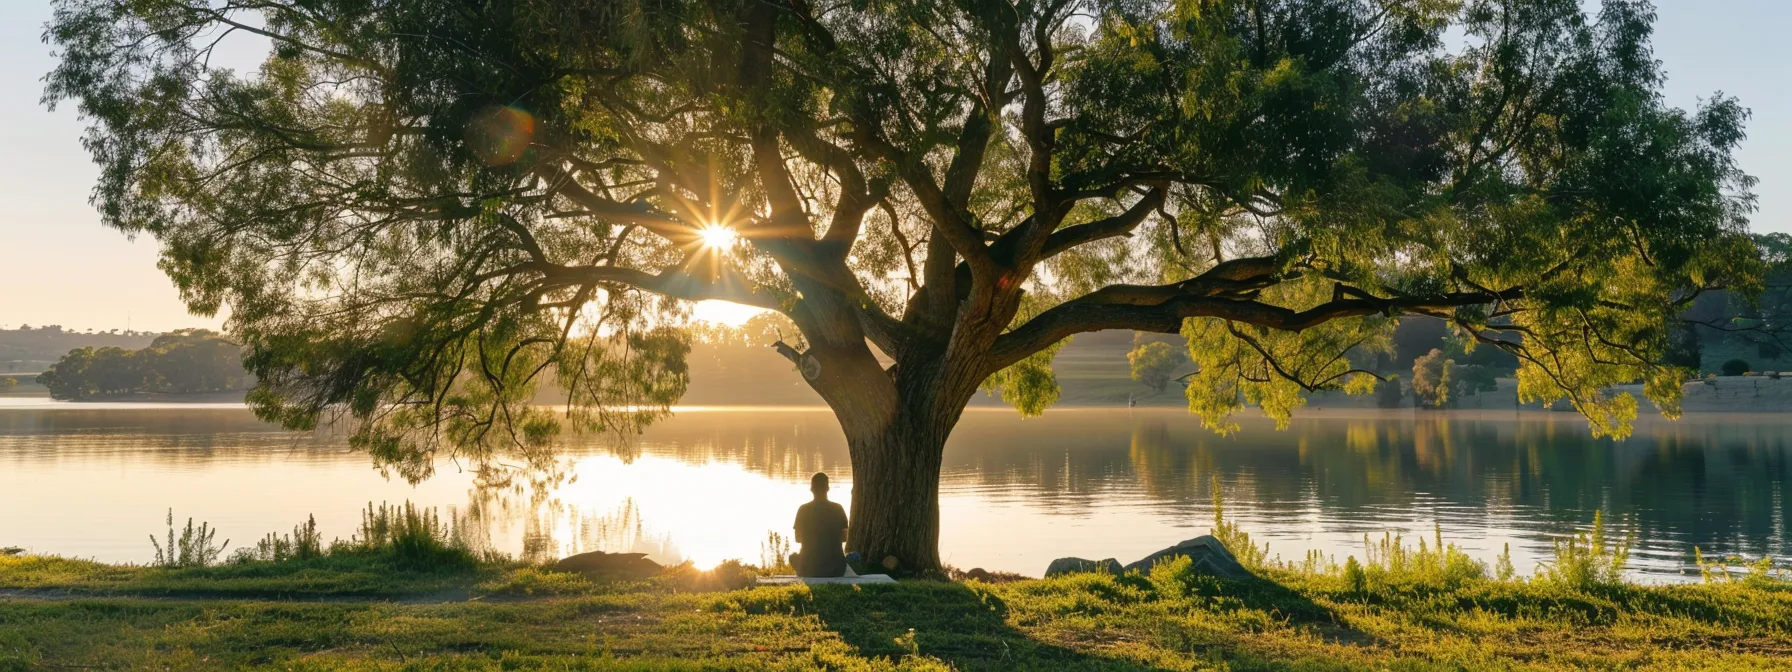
(710,484)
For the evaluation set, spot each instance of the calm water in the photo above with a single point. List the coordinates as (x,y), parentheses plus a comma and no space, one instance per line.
(708,485)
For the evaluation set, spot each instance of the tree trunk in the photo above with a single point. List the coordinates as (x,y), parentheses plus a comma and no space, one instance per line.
(895,494)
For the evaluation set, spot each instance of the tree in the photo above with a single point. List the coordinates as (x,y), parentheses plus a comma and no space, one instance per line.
(1433,379)
(194,360)
(1685,349)
(1388,393)
(85,373)
(185,361)
(416,209)
(1152,363)
(1764,321)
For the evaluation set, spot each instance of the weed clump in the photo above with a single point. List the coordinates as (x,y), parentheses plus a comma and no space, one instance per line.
(303,544)
(1236,540)
(194,547)
(412,538)
(1586,560)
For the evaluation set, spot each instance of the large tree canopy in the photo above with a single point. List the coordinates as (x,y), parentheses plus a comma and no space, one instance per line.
(418,209)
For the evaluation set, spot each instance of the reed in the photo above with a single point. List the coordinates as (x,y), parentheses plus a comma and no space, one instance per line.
(193,548)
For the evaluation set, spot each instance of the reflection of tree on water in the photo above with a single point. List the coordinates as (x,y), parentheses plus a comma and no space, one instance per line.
(1712,484)
(552,528)
(1718,486)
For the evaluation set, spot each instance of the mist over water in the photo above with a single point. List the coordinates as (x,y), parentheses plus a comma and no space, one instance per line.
(709,484)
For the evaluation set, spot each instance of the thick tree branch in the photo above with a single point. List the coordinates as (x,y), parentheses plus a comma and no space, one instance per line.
(1101,229)
(1097,312)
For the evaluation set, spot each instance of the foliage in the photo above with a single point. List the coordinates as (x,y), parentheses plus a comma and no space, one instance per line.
(1153,363)
(418,213)
(194,548)
(1765,321)
(774,554)
(185,361)
(1735,367)
(1433,379)
(1759,572)
(1170,619)
(1388,562)
(1685,349)
(1232,536)
(1388,393)
(303,544)
(1586,560)
(414,538)
(47,343)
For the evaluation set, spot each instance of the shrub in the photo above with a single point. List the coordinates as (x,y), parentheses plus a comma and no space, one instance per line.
(1585,560)
(1760,572)
(1354,576)
(194,547)
(303,544)
(1390,561)
(1236,540)
(415,538)
(1173,577)
(774,554)
(1735,367)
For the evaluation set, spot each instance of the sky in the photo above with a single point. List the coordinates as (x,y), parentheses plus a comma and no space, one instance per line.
(58,265)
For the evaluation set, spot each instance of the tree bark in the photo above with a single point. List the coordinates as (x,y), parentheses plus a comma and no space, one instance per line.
(895,495)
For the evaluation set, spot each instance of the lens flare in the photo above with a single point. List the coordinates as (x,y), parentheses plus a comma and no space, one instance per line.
(500,135)
(718,237)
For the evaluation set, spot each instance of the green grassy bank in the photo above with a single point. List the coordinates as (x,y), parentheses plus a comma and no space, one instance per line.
(364,611)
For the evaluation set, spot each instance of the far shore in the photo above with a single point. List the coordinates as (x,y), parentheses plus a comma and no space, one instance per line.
(1751,394)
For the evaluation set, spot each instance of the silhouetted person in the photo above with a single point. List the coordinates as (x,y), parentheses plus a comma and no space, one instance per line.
(821,530)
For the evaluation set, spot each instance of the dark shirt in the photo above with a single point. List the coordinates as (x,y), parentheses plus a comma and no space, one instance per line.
(821,529)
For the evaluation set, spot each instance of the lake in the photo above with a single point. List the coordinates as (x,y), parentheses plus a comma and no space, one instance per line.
(95,480)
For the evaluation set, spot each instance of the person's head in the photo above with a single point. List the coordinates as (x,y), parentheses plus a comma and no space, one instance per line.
(818,484)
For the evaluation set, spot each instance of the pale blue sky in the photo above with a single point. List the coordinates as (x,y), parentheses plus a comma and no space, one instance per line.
(59,266)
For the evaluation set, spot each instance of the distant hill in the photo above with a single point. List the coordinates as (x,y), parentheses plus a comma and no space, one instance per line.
(29,349)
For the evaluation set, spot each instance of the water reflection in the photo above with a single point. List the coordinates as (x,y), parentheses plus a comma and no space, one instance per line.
(710,484)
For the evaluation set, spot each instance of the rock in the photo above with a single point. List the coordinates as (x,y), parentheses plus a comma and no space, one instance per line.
(1076,565)
(598,565)
(1208,554)
(977,573)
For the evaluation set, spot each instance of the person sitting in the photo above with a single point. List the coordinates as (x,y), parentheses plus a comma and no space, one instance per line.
(821,531)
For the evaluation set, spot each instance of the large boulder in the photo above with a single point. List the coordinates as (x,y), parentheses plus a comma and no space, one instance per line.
(1208,554)
(598,565)
(1078,565)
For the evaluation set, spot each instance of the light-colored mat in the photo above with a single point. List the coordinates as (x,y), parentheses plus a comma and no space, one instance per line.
(791,580)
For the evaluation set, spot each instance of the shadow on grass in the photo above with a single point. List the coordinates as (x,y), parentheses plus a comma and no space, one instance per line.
(1086,622)
(949,621)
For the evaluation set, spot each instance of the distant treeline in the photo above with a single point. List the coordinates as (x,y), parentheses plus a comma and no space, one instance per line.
(184,362)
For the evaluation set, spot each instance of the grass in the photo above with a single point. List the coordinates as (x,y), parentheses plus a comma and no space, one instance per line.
(405,595)
(525,617)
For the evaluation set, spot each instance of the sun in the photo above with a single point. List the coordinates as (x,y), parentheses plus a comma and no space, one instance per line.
(716,236)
